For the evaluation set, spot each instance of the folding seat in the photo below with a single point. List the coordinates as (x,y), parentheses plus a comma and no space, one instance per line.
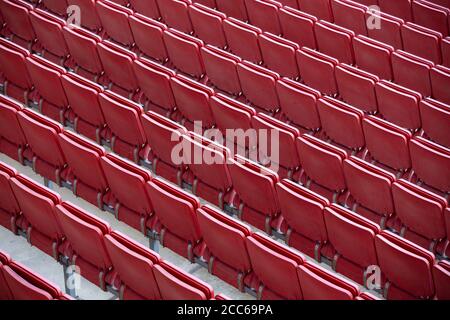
(350,15)
(24,284)
(9,208)
(299,104)
(436,121)
(154,81)
(387,144)
(175,14)
(445,44)
(398,105)
(390,32)
(38,219)
(373,56)
(210,179)
(18,26)
(370,190)
(134,265)
(443,3)
(431,16)
(123,118)
(321,165)
(440,82)
(353,238)
(118,66)
(298,27)
(422,42)
(184,52)
(235,117)
(225,241)
(115,22)
(50,39)
(264,15)
(335,41)
(12,140)
(82,96)
(5,293)
(412,72)
(146,8)
(289,3)
(255,188)
(127,184)
(279,135)
(242,39)
(441,275)
(207,24)
(42,138)
(162,137)
(86,233)
(82,45)
(399,8)
(192,100)
(318,8)
(431,163)
(317,70)
(49,95)
(341,123)
(83,159)
(15,81)
(320,284)
(221,69)
(143,29)
(357,87)
(302,211)
(90,19)
(258,86)
(175,284)
(406,266)
(279,55)
(235,9)
(177,223)
(421,213)
(207,3)
(56,6)
(276,268)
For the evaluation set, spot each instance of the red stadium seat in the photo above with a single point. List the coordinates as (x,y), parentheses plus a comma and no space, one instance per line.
(177,221)
(440,82)
(317,70)
(298,27)
(39,221)
(255,187)
(90,18)
(144,28)
(357,87)
(85,233)
(242,39)
(407,268)
(431,15)
(350,15)
(127,184)
(370,188)
(15,79)
(18,24)
(373,56)
(134,265)
(435,121)
(441,275)
(9,208)
(12,140)
(445,43)
(335,41)
(318,8)
(298,104)
(225,239)
(390,32)
(264,15)
(276,268)
(431,163)
(258,86)
(353,237)
(302,210)
(56,6)
(148,8)
(175,14)
(207,24)
(5,293)
(115,22)
(184,52)
(422,42)
(83,159)
(235,9)
(221,69)
(421,213)
(399,8)
(279,55)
